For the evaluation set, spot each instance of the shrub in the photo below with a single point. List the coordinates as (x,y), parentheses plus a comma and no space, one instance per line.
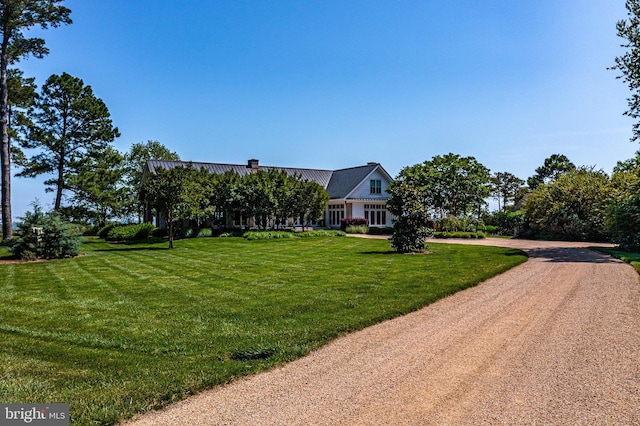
(137,231)
(353,221)
(623,221)
(320,233)
(357,229)
(59,238)
(265,235)
(104,231)
(92,230)
(491,229)
(204,233)
(460,234)
(44,236)
(381,231)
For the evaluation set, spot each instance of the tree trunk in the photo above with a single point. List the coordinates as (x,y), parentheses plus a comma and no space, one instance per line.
(5,152)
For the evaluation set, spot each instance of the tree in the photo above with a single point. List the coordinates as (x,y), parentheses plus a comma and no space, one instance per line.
(97,186)
(572,207)
(457,185)
(311,201)
(69,124)
(44,235)
(162,191)
(135,161)
(412,225)
(554,166)
(623,219)
(17,17)
(505,186)
(629,63)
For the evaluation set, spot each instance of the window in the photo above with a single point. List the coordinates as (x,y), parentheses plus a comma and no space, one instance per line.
(336,212)
(376,214)
(376,186)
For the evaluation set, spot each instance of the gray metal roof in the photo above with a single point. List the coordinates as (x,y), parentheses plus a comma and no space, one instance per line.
(344,181)
(338,183)
(320,176)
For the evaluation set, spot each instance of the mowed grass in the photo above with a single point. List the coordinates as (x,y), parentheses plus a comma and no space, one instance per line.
(129,328)
(626,256)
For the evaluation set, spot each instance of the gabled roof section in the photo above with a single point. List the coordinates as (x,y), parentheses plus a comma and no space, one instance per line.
(344,181)
(322,177)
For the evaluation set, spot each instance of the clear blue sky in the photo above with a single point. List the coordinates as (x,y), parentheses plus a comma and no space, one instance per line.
(333,84)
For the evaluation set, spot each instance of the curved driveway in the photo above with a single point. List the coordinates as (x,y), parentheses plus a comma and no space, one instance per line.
(555,340)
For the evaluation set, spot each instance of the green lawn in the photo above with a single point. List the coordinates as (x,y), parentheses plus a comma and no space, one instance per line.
(629,257)
(128,328)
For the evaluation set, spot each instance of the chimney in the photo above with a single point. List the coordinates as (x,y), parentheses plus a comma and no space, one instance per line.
(253,164)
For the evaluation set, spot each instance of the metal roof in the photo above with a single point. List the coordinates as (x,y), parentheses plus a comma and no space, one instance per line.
(338,183)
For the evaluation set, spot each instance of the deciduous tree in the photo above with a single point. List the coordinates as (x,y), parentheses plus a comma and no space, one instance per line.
(135,160)
(629,63)
(17,17)
(572,207)
(412,225)
(457,185)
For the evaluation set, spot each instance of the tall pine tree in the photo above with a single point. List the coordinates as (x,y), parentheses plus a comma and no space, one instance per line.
(17,17)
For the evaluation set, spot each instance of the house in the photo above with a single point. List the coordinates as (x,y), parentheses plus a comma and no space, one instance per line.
(353,192)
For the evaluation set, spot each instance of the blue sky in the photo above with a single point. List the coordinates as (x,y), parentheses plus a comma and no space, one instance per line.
(333,84)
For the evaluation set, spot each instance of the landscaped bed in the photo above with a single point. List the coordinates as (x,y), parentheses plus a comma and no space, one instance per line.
(128,328)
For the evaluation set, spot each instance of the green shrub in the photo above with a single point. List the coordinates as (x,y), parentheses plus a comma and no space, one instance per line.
(357,229)
(321,233)
(490,229)
(353,221)
(44,236)
(460,234)
(265,235)
(138,231)
(204,233)
(381,231)
(59,238)
(104,231)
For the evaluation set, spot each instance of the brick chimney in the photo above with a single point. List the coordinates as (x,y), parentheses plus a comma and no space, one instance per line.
(253,164)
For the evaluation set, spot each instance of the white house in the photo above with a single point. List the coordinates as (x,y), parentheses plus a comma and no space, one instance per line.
(353,192)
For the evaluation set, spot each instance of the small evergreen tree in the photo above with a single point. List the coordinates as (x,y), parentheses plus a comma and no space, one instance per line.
(44,236)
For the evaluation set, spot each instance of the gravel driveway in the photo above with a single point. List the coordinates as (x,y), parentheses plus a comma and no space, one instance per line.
(555,340)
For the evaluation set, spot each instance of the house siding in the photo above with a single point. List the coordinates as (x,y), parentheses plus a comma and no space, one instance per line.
(363,191)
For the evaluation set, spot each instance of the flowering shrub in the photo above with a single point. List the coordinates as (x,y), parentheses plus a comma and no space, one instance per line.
(353,221)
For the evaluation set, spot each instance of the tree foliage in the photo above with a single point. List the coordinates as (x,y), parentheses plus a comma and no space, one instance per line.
(44,236)
(505,187)
(572,207)
(412,224)
(554,166)
(97,187)
(269,197)
(69,126)
(17,18)
(629,63)
(456,185)
(164,192)
(623,219)
(134,162)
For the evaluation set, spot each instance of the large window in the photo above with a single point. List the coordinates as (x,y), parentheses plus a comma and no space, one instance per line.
(376,214)
(376,186)
(336,212)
